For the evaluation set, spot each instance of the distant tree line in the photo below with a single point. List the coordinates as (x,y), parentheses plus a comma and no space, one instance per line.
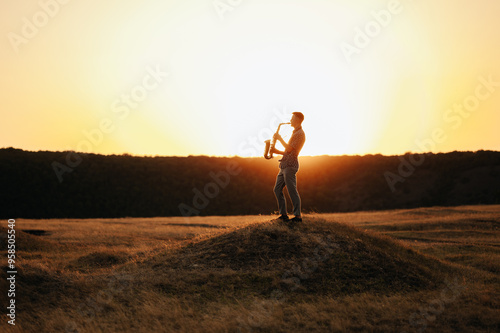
(129,186)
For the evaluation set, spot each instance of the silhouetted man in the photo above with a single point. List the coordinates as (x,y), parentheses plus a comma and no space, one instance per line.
(289,165)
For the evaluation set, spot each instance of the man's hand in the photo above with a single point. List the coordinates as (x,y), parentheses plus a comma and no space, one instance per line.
(277,137)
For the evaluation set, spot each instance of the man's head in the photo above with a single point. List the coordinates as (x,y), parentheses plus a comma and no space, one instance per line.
(297,119)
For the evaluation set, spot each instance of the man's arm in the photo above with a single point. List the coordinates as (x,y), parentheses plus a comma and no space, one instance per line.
(286,145)
(276,151)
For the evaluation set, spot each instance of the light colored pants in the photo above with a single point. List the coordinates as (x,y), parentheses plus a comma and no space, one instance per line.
(287,177)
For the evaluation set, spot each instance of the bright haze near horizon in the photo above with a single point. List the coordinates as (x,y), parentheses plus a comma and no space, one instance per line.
(206,77)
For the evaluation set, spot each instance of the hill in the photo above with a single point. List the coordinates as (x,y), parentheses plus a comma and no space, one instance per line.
(314,258)
(68,185)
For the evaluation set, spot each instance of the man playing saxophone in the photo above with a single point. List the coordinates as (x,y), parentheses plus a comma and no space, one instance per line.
(289,165)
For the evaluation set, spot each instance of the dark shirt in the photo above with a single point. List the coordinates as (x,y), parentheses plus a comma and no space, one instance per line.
(296,142)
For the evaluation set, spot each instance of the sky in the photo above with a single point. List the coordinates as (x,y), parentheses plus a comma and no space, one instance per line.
(205,77)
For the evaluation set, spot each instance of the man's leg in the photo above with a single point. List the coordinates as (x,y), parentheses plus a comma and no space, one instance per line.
(278,192)
(291,186)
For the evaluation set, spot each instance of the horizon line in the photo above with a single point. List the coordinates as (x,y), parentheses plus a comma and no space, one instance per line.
(246,157)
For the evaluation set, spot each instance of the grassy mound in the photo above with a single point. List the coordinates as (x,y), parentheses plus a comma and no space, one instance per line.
(98,260)
(315,257)
(27,242)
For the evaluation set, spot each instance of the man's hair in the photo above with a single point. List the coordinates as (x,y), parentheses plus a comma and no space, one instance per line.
(299,115)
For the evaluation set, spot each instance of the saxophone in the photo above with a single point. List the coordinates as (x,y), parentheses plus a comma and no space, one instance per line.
(271,143)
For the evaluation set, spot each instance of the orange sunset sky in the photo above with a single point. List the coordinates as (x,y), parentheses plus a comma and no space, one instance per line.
(204,77)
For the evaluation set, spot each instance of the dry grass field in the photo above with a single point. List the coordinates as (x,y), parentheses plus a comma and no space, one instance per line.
(428,269)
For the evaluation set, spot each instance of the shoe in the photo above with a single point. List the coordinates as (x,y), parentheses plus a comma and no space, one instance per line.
(296,219)
(284,218)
